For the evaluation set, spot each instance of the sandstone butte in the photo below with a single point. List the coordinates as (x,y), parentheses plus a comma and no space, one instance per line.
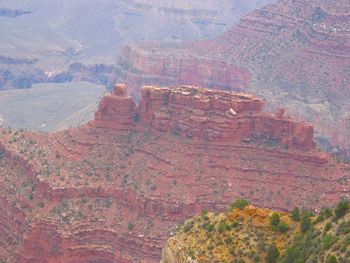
(295,54)
(115,189)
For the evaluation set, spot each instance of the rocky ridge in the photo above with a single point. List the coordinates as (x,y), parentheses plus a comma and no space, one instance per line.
(295,54)
(113,190)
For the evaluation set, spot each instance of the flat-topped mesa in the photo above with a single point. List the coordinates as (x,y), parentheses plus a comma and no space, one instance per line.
(219,116)
(117,110)
(204,114)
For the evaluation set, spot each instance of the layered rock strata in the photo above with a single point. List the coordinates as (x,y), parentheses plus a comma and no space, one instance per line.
(113,190)
(116,110)
(296,54)
(218,116)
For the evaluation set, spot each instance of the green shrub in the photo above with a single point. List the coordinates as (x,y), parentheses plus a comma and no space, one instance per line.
(295,214)
(275,220)
(319,218)
(240,204)
(342,208)
(283,227)
(209,227)
(222,227)
(328,226)
(344,228)
(234,224)
(228,240)
(305,223)
(327,241)
(292,255)
(331,259)
(327,212)
(324,214)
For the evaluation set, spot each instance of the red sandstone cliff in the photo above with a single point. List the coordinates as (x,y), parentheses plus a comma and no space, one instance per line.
(295,53)
(113,190)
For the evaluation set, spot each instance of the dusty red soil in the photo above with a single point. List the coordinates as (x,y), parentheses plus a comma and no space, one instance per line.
(114,189)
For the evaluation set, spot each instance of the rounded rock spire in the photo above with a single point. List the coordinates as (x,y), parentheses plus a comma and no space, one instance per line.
(120,90)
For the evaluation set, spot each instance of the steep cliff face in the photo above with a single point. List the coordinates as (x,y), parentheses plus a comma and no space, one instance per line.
(113,190)
(219,116)
(293,53)
(116,110)
(171,64)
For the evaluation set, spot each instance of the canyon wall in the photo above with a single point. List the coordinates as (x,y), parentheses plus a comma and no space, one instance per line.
(295,54)
(210,115)
(115,189)
(63,42)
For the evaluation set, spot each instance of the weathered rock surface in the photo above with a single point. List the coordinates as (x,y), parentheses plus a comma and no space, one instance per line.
(113,190)
(218,116)
(116,110)
(296,54)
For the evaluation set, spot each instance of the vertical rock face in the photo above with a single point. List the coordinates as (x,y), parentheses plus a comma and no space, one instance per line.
(174,65)
(296,54)
(199,113)
(115,189)
(218,116)
(116,110)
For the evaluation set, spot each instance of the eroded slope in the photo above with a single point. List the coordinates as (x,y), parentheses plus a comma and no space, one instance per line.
(113,190)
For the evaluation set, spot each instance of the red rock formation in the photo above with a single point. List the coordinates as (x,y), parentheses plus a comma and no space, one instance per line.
(113,190)
(296,54)
(116,110)
(177,66)
(218,116)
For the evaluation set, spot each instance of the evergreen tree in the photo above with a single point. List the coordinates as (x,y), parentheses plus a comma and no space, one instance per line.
(305,223)
(295,214)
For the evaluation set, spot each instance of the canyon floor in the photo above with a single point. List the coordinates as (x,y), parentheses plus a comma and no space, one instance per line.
(49,106)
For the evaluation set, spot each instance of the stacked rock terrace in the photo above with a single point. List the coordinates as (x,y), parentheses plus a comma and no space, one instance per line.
(113,190)
(204,114)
